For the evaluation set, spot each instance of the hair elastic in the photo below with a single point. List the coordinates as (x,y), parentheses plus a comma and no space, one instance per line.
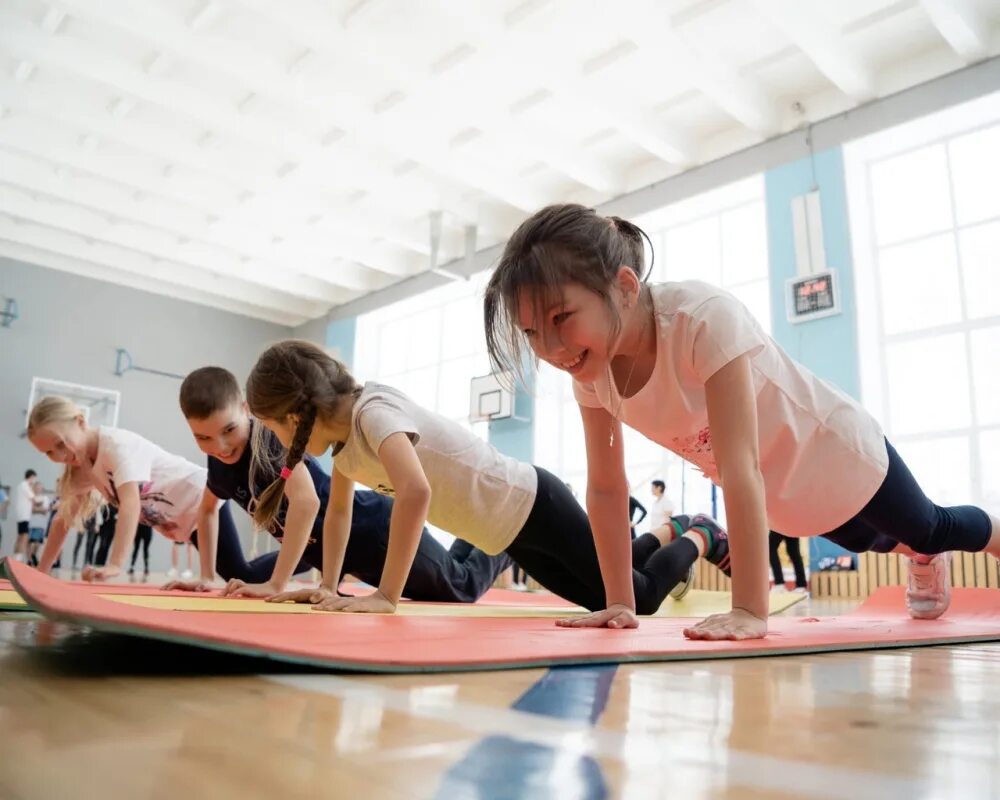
(285,473)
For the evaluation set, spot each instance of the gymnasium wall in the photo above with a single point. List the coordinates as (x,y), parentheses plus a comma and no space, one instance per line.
(69,329)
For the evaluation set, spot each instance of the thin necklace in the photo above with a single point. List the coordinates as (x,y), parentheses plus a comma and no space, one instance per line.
(628,382)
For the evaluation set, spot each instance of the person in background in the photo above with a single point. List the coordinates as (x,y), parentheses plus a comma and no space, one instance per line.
(143,538)
(24,505)
(794,555)
(663,507)
(633,506)
(4,504)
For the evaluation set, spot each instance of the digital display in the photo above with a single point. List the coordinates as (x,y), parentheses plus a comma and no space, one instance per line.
(813,296)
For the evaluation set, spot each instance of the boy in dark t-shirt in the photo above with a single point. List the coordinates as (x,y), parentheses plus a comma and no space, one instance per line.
(213,404)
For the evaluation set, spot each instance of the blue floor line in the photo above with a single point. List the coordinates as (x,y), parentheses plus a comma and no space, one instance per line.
(504,767)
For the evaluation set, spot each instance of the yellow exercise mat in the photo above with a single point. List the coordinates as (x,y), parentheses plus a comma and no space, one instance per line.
(11,601)
(696,604)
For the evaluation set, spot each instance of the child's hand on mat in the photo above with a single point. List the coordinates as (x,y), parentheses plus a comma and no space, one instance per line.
(315,595)
(98,574)
(737,624)
(238,588)
(187,586)
(374,603)
(614,616)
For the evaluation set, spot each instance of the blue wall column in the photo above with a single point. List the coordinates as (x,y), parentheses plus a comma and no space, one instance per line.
(828,346)
(516,437)
(339,340)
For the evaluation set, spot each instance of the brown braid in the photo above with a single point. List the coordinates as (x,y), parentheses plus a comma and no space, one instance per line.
(269,503)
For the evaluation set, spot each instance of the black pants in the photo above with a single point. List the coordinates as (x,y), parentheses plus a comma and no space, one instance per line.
(794,555)
(230,562)
(104,538)
(143,537)
(88,535)
(556,547)
(900,513)
(461,574)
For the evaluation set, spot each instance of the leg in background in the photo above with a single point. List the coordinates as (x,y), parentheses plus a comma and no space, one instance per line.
(794,548)
(773,540)
(556,547)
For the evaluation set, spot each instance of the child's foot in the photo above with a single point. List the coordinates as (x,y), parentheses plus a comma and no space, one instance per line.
(717,541)
(187,574)
(928,588)
(172,572)
(684,586)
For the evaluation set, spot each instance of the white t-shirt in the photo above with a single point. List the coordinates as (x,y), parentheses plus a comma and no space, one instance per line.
(24,500)
(659,512)
(170,487)
(822,455)
(477,493)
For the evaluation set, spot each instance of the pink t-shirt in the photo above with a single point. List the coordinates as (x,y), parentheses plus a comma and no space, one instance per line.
(822,455)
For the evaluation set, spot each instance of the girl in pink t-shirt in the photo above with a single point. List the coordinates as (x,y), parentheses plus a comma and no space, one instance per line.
(688,366)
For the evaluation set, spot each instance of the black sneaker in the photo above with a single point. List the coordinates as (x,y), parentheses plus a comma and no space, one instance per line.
(719,554)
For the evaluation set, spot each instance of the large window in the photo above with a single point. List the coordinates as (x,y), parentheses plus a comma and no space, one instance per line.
(926,228)
(429,346)
(719,237)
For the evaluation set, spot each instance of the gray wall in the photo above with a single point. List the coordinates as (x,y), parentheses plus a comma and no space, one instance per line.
(69,329)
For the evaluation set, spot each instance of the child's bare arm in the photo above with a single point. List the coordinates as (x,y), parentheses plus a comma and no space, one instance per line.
(732,417)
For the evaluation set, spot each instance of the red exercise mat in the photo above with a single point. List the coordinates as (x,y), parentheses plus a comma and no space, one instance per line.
(390,643)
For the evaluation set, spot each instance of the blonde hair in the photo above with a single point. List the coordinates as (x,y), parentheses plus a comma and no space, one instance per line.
(76,503)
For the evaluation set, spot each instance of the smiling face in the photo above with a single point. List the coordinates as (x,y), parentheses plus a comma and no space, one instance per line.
(570,332)
(224,434)
(64,442)
(578,330)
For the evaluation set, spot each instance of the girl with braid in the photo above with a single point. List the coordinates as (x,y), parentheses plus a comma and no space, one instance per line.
(435,470)
(145,483)
(213,405)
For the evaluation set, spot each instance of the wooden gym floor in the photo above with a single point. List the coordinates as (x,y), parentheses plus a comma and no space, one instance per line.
(88,715)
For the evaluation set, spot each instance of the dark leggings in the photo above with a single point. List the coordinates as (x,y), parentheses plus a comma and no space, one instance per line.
(460,574)
(794,555)
(900,513)
(229,559)
(143,537)
(556,547)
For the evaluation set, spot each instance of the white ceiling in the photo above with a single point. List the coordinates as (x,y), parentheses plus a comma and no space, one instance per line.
(278,159)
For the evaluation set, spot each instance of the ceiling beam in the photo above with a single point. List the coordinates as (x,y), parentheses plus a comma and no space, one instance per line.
(649,25)
(961,25)
(261,142)
(917,101)
(822,44)
(103,201)
(32,234)
(566,82)
(101,272)
(41,127)
(326,106)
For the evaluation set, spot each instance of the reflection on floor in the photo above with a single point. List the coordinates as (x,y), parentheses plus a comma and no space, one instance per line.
(87,715)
